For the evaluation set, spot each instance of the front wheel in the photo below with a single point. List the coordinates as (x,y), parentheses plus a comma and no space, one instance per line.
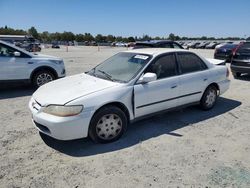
(209,98)
(107,125)
(42,77)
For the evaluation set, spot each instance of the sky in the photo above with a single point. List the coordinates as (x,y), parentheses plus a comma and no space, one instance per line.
(191,18)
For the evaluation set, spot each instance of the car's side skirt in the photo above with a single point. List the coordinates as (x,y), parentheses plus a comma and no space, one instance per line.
(149,104)
(164,111)
(15,81)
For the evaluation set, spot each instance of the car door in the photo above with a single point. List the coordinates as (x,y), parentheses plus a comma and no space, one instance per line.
(160,94)
(13,67)
(193,78)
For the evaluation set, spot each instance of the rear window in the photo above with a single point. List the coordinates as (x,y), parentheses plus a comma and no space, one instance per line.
(165,45)
(190,63)
(141,45)
(229,46)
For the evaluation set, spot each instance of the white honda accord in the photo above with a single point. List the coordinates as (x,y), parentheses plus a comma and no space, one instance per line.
(126,87)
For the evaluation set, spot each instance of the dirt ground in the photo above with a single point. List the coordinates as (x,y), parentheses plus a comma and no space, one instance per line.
(186,148)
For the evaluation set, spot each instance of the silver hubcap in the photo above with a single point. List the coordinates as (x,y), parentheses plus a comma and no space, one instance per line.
(43,79)
(211,97)
(109,126)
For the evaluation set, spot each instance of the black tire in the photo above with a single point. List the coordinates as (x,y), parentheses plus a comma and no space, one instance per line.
(208,101)
(35,80)
(95,132)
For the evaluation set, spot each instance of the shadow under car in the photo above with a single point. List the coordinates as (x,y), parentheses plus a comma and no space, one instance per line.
(165,123)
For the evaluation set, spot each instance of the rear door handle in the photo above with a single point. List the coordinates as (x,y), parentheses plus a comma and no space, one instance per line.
(30,62)
(173,86)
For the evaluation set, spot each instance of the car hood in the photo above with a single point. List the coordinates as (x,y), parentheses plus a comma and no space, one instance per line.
(67,89)
(42,56)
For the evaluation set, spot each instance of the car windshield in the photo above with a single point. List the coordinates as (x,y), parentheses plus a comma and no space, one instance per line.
(121,67)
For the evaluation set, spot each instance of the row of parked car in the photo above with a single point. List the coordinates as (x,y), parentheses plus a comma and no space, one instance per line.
(237,53)
(205,44)
(101,103)
(30,47)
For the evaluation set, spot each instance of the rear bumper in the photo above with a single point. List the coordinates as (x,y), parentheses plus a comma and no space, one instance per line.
(224,86)
(240,69)
(223,57)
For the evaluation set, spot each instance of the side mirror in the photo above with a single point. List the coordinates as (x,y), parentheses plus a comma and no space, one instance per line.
(148,77)
(17,54)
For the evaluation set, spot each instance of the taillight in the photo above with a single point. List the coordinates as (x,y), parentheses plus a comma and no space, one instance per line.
(236,48)
(227,73)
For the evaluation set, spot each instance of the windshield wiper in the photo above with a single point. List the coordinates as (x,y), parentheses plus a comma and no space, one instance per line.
(106,74)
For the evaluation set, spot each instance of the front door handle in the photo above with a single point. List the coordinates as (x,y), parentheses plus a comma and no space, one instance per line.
(205,79)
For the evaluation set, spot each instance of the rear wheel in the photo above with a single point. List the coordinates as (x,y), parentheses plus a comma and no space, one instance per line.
(42,77)
(209,98)
(108,125)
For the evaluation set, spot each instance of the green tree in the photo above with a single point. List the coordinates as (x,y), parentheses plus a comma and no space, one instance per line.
(88,37)
(45,36)
(157,38)
(131,39)
(203,38)
(99,38)
(56,36)
(32,31)
(111,38)
(119,39)
(79,37)
(146,37)
(171,36)
(67,36)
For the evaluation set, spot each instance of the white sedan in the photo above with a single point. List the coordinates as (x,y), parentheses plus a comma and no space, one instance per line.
(128,86)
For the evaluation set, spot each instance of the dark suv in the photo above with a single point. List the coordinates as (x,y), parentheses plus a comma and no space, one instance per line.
(158,44)
(225,52)
(241,59)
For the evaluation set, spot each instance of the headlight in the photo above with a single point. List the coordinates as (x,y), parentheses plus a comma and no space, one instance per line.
(63,111)
(57,61)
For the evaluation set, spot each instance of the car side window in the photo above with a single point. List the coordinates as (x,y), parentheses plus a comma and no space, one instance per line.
(190,63)
(6,51)
(163,67)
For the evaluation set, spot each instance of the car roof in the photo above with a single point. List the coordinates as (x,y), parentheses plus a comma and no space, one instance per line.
(155,51)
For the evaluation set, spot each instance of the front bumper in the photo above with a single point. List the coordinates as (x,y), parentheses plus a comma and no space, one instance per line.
(61,128)
(62,73)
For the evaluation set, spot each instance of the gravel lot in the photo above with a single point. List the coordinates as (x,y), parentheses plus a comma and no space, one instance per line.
(187,148)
